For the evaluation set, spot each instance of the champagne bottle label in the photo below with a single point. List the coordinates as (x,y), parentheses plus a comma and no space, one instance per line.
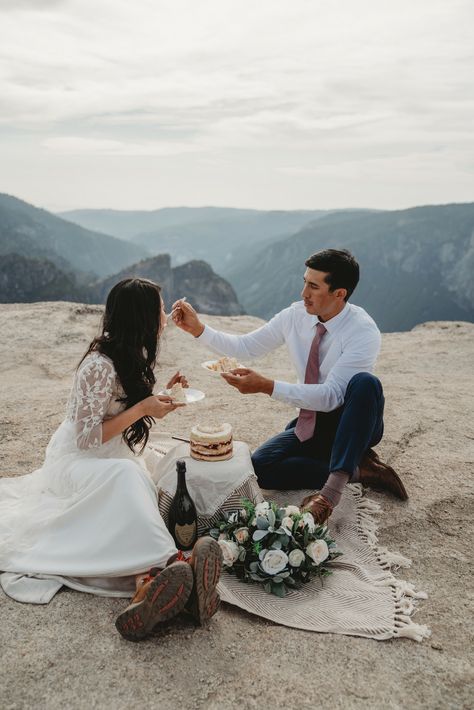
(185,534)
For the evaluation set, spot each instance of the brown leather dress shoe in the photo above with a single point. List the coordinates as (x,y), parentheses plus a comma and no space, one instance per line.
(159,597)
(380,477)
(319,507)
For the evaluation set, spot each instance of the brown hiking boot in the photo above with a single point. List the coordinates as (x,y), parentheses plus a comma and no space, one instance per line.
(160,597)
(380,477)
(319,507)
(206,564)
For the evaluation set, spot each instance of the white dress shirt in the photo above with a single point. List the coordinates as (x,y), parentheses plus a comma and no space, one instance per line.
(351,345)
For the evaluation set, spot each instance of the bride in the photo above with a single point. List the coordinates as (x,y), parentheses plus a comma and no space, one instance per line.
(89,518)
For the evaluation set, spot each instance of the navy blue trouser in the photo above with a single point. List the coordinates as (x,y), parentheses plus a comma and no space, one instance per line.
(339,443)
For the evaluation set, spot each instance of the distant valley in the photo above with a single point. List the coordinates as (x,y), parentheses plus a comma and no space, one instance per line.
(44,257)
(33,232)
(416,264)
(224,237)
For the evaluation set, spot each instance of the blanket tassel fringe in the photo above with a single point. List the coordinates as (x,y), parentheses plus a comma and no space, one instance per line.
(404,593)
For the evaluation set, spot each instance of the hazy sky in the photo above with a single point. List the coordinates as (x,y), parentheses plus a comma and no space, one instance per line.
(262,103)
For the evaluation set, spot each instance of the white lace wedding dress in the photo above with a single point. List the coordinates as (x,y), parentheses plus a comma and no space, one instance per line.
(89,517)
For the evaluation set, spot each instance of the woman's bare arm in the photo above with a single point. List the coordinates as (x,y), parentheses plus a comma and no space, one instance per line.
(154,406)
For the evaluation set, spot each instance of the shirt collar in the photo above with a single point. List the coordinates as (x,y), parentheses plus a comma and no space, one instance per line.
(333,324)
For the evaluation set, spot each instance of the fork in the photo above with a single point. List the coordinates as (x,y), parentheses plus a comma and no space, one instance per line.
(169,318)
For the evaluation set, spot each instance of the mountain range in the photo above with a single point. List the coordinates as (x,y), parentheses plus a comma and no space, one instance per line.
(25,280)
(224,237)
(416,264)
(44,257)
(33,232)
(205,290)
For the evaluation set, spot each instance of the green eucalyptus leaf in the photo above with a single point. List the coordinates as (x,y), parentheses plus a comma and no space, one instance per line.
(278,590)
(256,577)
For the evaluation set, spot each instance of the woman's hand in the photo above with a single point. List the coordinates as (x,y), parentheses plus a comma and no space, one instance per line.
(158,406)
(177,377)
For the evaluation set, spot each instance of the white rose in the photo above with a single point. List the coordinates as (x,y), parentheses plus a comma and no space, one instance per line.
(292,510)
(287,523)
(274,561)
(318,551)
(230,552)
(262,509)
(296,558)
(241,535)
(243,514)
(308,520)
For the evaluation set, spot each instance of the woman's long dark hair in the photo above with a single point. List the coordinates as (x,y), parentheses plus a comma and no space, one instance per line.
(130,339)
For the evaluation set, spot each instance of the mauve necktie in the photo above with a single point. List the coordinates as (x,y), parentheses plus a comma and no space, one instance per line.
(307,418)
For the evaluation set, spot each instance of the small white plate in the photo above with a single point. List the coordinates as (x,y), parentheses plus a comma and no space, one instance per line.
(191,394)
(207,366)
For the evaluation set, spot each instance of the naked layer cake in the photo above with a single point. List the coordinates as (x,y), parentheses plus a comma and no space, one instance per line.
(211,443)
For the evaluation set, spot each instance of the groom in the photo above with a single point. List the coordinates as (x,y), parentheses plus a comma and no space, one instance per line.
(333,345)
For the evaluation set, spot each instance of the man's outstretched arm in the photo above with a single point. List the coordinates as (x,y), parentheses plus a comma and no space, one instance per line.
(244,347)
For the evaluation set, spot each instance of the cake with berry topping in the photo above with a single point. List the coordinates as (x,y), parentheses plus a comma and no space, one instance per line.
(211,443)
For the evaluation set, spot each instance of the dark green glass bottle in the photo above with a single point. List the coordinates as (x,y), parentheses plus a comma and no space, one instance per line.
(182,519)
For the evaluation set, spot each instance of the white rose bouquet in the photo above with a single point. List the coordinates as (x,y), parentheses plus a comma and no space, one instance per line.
(280,548)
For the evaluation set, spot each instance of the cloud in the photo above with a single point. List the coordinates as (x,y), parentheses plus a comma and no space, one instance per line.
(289,85)
(35,5)
(76,145)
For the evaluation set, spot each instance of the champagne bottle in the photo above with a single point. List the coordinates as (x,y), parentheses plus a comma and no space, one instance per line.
(182,520)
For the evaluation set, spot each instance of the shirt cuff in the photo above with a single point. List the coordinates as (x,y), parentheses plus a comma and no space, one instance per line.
(206,335)
(281,391)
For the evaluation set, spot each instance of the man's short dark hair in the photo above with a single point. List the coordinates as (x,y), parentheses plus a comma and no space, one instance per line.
(340,266)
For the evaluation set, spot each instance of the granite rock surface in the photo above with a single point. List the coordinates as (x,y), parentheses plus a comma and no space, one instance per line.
(68,653)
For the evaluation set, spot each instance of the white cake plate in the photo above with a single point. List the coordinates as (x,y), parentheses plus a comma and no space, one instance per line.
(191,394)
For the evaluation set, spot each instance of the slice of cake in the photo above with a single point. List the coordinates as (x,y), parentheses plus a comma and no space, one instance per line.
(177,393)
(224,364)
(211,443)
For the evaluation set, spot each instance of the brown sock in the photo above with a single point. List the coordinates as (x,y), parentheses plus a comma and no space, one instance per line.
(332,489)
(356,476)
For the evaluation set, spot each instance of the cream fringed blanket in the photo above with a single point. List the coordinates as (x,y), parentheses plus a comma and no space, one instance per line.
(361,598)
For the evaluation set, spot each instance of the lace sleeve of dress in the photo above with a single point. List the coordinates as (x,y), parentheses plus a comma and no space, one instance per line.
(94,390)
